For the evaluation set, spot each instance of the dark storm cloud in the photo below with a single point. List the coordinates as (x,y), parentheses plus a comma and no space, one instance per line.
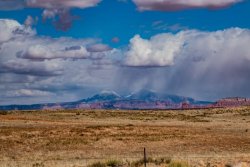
(12,4)
(31,68)
(99,48)
(205,65)
(52,9)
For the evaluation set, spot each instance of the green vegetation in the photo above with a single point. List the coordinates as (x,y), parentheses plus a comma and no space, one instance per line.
(178,164)
(113,163)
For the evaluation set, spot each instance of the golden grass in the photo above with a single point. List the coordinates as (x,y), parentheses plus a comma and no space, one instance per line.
(80,137)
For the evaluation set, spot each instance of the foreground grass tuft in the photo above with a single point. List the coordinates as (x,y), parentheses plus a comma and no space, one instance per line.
(178,164)
(162,160)
(38,165)
(113,163)
(116,163)
(109,163)
(98,164)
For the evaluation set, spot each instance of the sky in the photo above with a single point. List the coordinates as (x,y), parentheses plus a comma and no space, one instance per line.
(66,50)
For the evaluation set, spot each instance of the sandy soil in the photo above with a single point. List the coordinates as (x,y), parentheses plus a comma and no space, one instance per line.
(80,137)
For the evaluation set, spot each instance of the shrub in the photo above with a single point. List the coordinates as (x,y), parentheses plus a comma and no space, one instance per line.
(228,165)
(98,164)
(3,112)
(38,165)
(150,160)
(178,164)
(113,163)
(162,160)
(157,161)
(137,163)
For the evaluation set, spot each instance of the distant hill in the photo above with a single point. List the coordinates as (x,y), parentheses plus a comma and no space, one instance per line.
(233,102)
(143,99)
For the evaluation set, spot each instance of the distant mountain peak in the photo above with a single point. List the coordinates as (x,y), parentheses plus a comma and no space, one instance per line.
(104,95)
(143,94)
(145,91)
(141,99)
(109,92)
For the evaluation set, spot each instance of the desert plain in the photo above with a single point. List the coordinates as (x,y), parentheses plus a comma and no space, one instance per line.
(202,137)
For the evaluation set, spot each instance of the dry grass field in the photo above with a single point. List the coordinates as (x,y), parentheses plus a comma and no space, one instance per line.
(212,137)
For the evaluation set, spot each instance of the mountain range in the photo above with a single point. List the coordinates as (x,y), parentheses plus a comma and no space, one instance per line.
(143,99)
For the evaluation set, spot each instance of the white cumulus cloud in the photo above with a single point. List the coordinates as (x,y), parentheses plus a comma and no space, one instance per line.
(200,64)
(44,52)
(59,66)
(27,93)
(160,50)
(62,3)
(172,5)
(10,29)
(167,49)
